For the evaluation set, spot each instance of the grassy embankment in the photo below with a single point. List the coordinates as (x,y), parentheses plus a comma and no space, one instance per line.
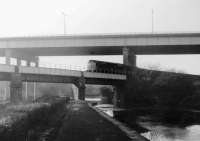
(28,121)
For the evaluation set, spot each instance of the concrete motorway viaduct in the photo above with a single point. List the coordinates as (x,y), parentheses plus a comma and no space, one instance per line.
(128,45)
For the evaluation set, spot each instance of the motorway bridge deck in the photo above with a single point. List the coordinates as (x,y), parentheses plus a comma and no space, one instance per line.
(102,44)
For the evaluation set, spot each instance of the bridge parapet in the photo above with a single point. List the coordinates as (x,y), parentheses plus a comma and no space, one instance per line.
(49,71)
(7,68)
(73,73)
(18,74)
(60,72)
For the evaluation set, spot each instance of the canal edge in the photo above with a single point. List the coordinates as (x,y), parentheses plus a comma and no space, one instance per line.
(132,134)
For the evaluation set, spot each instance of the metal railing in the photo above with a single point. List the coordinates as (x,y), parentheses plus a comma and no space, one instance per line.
(82,68)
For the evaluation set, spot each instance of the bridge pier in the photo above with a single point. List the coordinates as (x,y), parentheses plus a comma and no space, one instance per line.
(129,57)
(16,88)
(81,93)
(119,96)
(127,92)
(80,84)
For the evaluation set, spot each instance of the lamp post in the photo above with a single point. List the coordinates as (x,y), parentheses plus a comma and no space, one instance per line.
(64,22)
(152,20)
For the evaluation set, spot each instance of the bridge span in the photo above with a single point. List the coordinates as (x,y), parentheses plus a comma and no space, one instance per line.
(128,45)
(104,44)
(18,74)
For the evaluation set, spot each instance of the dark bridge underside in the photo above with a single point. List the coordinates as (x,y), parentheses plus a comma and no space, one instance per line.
(106,50)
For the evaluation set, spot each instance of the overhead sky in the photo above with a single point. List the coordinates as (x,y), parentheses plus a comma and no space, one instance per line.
(44,17)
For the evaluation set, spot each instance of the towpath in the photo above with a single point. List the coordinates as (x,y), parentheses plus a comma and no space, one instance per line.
(82,123)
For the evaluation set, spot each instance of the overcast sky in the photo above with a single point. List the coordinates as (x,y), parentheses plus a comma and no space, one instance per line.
(44,17)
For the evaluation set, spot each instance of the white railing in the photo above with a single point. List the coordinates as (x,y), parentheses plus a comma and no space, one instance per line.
(11,68)
(80,68)
(62,66)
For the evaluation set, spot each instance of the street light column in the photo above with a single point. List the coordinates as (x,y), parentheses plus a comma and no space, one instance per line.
(64,22)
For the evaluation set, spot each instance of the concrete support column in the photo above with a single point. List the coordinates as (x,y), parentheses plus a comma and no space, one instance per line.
(119,96)
(16,87)
(129,57)
(8,55)
(81,93)
(81,88)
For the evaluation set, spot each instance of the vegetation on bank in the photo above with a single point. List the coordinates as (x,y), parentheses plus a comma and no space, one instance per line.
(164,90)
(155,89)
(26,121)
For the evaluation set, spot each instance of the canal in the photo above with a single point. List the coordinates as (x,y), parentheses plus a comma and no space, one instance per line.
(171,125)
(161,125)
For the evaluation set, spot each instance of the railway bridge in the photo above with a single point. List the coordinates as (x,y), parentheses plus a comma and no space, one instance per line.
(18,74)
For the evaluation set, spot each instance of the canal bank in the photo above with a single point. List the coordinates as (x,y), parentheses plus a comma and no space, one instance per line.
(131,133)
(87,124)
(164,124)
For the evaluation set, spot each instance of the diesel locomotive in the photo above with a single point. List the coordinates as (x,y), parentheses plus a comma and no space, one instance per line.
(107,67)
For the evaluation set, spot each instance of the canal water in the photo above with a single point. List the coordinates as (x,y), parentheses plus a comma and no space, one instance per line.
(170,125)
(162,125)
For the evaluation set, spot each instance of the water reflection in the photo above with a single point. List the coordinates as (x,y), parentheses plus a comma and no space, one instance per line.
(160,132)
(106,108)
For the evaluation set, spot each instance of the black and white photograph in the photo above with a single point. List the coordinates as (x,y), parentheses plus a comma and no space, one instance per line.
(99,70)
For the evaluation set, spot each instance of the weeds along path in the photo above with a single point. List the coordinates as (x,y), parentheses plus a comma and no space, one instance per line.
(38,121)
